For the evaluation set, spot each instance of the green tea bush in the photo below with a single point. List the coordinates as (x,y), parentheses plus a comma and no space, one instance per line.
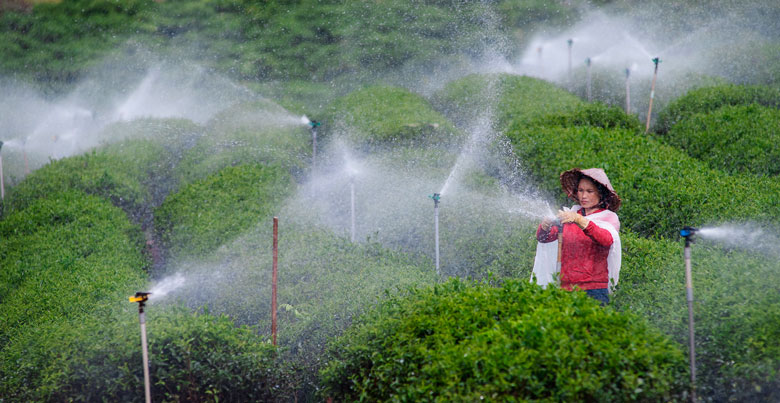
(736,335)
(192,357)
(513,98)
(662,188)
(324,281)
(735,139)
(381,115)
(62,255)
(709,99)
(594,115)
(259,132)
(209,212)
(121,173)
(469,342)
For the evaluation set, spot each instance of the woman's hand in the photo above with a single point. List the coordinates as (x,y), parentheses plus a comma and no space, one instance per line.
(546,224)
(573,216)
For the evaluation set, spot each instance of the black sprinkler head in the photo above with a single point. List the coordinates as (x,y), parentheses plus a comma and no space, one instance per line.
(314,123)
(570,41)
(1,145)
(436,197)
(656,61)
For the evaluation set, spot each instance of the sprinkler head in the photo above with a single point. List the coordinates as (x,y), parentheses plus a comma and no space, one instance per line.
(688,233)
(656,61)
(314,123)
(436,197)
(570,42)
(140,297)
(587,62)
(1,145)
(628,72)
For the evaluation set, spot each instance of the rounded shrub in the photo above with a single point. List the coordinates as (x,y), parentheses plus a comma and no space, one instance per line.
(61,256)
(380,115)
(513,98)
(708,99)
(735,139)
(209,212)
(662,188)
(192,357)
(249,133)
(734,311)
(469,342)
(121,173)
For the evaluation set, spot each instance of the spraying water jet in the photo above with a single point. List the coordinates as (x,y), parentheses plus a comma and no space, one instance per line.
(141,297)
(688,233)
(652,93)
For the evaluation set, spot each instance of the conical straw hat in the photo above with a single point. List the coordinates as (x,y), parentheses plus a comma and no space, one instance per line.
(570,180)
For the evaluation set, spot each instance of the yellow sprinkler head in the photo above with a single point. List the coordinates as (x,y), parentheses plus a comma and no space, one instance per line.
(140,296)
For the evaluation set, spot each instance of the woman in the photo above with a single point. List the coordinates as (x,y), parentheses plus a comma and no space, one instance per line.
(589,255)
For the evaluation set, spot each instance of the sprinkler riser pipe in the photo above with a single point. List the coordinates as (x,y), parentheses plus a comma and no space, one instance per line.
(352,208)
(145,355)
(2,184)
(436,234)
(652,95)
(314,147)
(691,335)
(274,278)
(589,92)
(628,92)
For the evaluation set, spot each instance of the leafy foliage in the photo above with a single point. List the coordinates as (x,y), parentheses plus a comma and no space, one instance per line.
(658,199)
(209,212)
(735,139)
(736,347)
(378,115)
(51,248)
(121,173)
(461,341)
(192,357)
(512,98)
(248,133)
(709,99)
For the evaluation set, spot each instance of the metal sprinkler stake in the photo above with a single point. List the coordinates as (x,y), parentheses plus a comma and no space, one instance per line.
(628,91)
(588,63)
(570,42)
(314,125)
(687,233)
(2,185)
(141,298)
(352,206)
(436,198)
(559,224)
(652,94)
(274,277)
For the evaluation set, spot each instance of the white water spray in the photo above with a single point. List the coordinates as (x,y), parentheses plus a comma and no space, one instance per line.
(743,236)
(167,286)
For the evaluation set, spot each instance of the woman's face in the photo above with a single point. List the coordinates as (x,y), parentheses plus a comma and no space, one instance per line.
(588,194)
